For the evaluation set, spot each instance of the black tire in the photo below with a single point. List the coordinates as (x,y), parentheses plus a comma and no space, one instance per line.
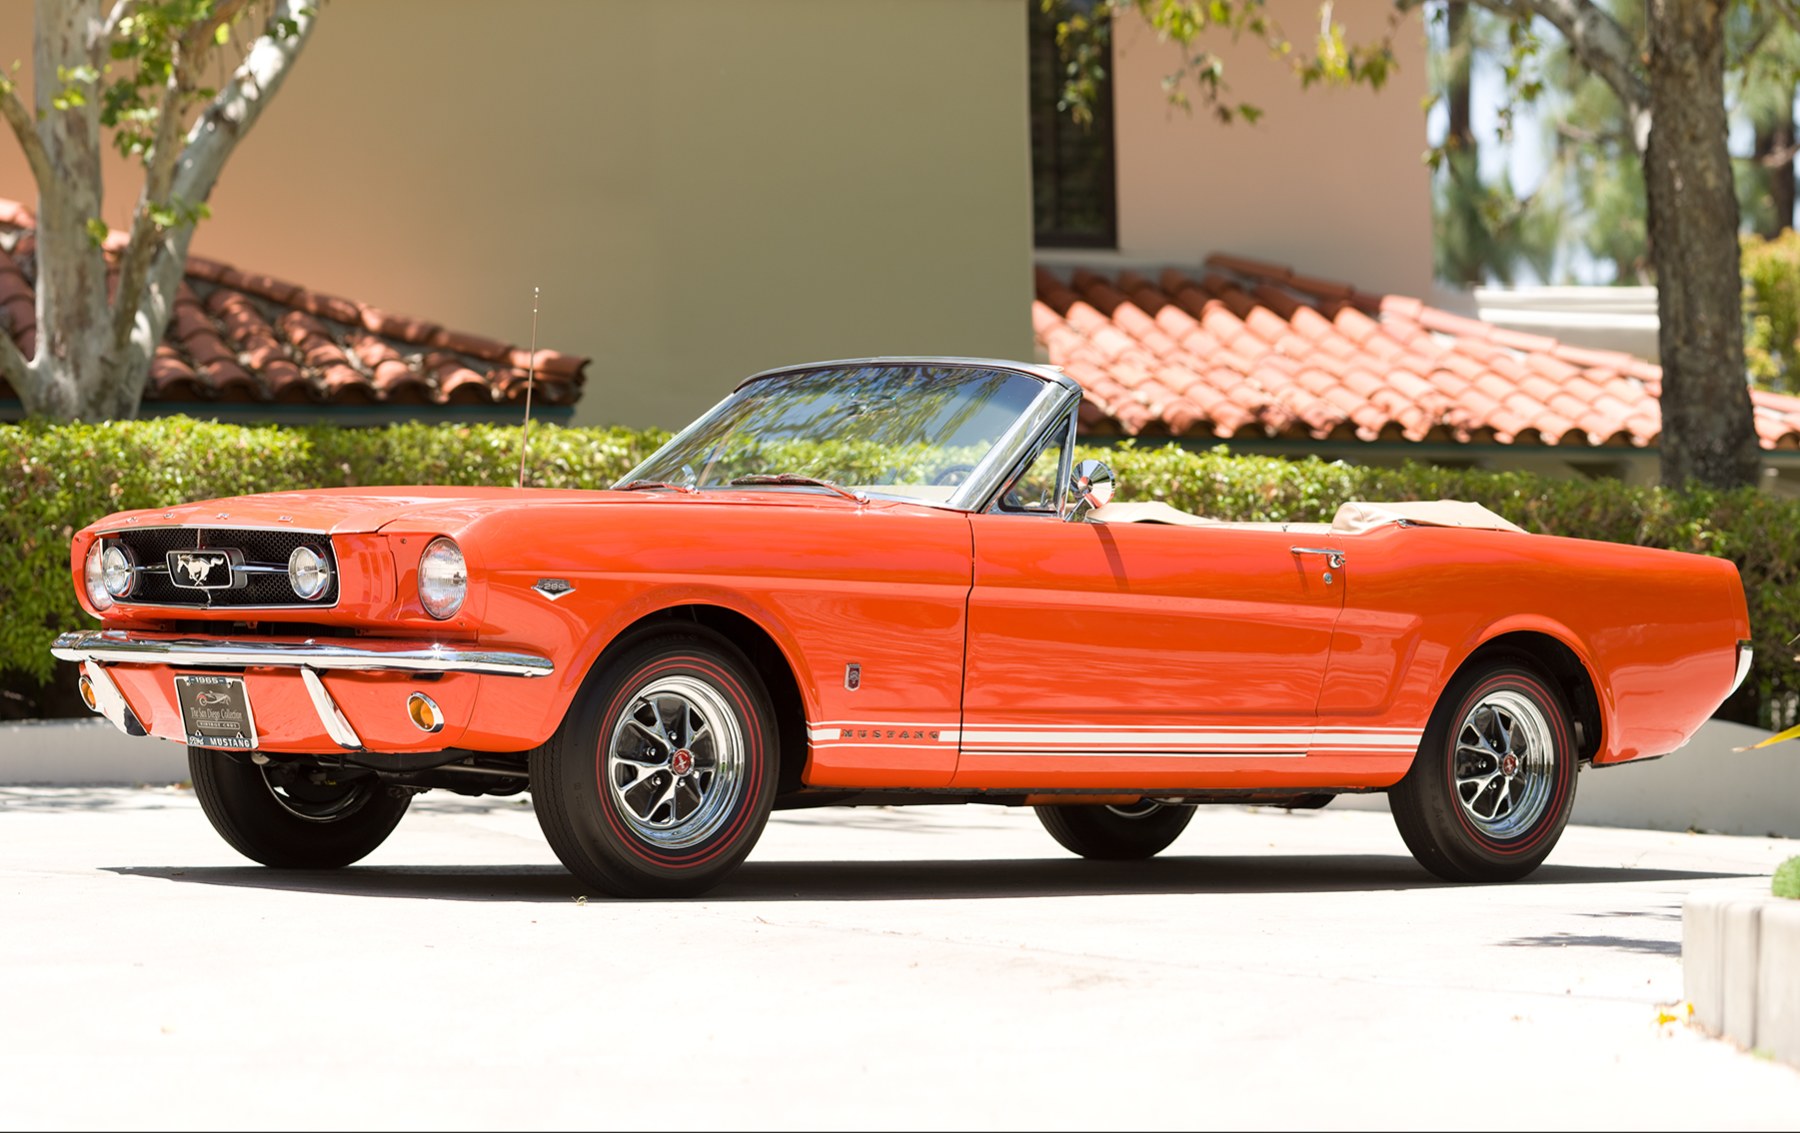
(1116,834)
(1466,810)
(610,786)
(278,815)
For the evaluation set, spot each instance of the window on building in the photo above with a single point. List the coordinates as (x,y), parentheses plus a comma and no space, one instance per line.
(1074,202)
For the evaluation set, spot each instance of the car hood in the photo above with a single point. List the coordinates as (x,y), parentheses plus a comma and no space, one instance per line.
(345,511)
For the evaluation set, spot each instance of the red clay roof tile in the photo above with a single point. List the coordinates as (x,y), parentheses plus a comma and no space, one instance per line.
(1248,348)
(240,336)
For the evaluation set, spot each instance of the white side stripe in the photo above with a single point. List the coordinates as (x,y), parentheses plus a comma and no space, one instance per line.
(1291,738)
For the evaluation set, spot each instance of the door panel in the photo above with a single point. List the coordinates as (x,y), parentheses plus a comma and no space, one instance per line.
(1101,653)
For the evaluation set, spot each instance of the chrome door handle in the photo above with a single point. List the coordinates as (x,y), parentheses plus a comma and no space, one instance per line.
(1333,559)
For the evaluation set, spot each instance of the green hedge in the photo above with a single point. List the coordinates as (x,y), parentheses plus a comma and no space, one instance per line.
(61,477)
(1786,882)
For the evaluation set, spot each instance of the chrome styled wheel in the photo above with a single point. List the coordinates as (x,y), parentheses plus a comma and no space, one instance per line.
(1490,790)
(676,761)
(1505,765)
(660,777)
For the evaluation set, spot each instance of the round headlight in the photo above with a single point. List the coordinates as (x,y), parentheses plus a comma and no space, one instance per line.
(94,575)
(118,570)
(308,573)
(443,580)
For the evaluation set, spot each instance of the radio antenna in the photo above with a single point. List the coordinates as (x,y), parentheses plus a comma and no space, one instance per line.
(530,380)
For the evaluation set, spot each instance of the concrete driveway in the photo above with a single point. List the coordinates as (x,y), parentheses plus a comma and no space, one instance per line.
(878,968)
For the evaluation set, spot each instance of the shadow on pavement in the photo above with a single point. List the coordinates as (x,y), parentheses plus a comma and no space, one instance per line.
(1612,943)
(910,880)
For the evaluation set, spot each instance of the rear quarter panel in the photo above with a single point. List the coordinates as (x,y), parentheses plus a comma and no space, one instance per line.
(1656,630)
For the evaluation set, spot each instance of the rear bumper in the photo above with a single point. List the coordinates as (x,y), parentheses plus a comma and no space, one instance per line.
(310,695)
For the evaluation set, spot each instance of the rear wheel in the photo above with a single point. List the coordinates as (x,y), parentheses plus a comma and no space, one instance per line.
(662,775)
(1491,789)
(1116,833)
(294,814)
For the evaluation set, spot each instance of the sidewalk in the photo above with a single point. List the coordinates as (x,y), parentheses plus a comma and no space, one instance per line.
(940,966)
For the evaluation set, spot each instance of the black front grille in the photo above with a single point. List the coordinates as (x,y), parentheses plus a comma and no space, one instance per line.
(266,553)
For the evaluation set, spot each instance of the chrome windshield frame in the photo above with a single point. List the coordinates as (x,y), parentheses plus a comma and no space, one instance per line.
(988,477)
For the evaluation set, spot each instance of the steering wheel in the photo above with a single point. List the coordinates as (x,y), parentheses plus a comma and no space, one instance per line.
(953,474)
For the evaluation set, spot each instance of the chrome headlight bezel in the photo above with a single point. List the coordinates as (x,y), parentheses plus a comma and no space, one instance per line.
(308,572)
(443,581)
(118,569)
(94,577)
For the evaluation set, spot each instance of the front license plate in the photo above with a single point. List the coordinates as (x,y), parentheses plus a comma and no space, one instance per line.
(215,712)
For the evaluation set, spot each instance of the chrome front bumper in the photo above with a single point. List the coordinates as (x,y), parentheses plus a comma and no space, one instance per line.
(95,649)
(117,647)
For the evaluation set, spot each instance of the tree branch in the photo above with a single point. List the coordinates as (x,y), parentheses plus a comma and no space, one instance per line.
(1598,40)
(1788,10)
(14,368)
(214,136)
(24,128)
(146,232)
(104,33)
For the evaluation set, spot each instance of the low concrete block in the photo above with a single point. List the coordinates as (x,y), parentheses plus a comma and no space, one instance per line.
(1778,981)
(71,753)
(1719,946)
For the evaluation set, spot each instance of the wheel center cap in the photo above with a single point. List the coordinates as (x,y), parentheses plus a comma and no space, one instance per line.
(1509,765)
(682,762)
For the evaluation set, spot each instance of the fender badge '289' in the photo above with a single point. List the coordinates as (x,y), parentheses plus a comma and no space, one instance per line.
(553,588)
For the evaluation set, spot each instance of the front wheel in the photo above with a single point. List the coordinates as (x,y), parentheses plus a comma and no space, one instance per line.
(662,775)
(1490,791)
(1116,833)
(294,814)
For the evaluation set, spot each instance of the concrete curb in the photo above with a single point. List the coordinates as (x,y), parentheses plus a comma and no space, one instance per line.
(1740,964)
(85,753)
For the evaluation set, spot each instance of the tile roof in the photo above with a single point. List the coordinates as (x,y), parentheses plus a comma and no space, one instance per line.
(235,337)
(1254,350)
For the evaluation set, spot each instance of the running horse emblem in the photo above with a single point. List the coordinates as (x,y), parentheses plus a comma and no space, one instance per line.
(198,568)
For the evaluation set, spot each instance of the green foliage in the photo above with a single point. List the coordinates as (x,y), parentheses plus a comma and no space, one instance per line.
(156,51)
(1786,882)
(58,478)
(1771,270)
(61,477)
(1759,532)
(1084,28)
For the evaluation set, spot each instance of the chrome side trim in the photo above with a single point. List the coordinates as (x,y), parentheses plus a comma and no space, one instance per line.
(120,647)
(337,726)
(110,702)
(1745,656)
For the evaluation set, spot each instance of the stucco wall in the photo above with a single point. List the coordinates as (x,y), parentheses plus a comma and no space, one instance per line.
(701,189)
(1330,182)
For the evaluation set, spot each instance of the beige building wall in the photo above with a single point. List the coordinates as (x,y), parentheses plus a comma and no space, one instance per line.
(701,189)
(1331,182)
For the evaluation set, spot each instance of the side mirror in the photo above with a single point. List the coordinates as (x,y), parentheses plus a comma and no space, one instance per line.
(1090,486)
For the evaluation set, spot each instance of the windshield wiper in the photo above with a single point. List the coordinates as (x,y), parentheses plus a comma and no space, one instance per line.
(807,481)
(634,485)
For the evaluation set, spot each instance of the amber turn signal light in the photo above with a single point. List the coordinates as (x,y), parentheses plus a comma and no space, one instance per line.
(425,713)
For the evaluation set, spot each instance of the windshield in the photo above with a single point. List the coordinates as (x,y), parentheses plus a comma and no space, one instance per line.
(905,430)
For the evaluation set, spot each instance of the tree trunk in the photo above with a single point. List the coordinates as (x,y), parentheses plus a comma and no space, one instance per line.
(71,279)
(1778,138)
(1459,36)
(1693,219)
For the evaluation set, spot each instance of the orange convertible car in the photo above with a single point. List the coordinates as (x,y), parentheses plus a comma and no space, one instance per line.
(883,581)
